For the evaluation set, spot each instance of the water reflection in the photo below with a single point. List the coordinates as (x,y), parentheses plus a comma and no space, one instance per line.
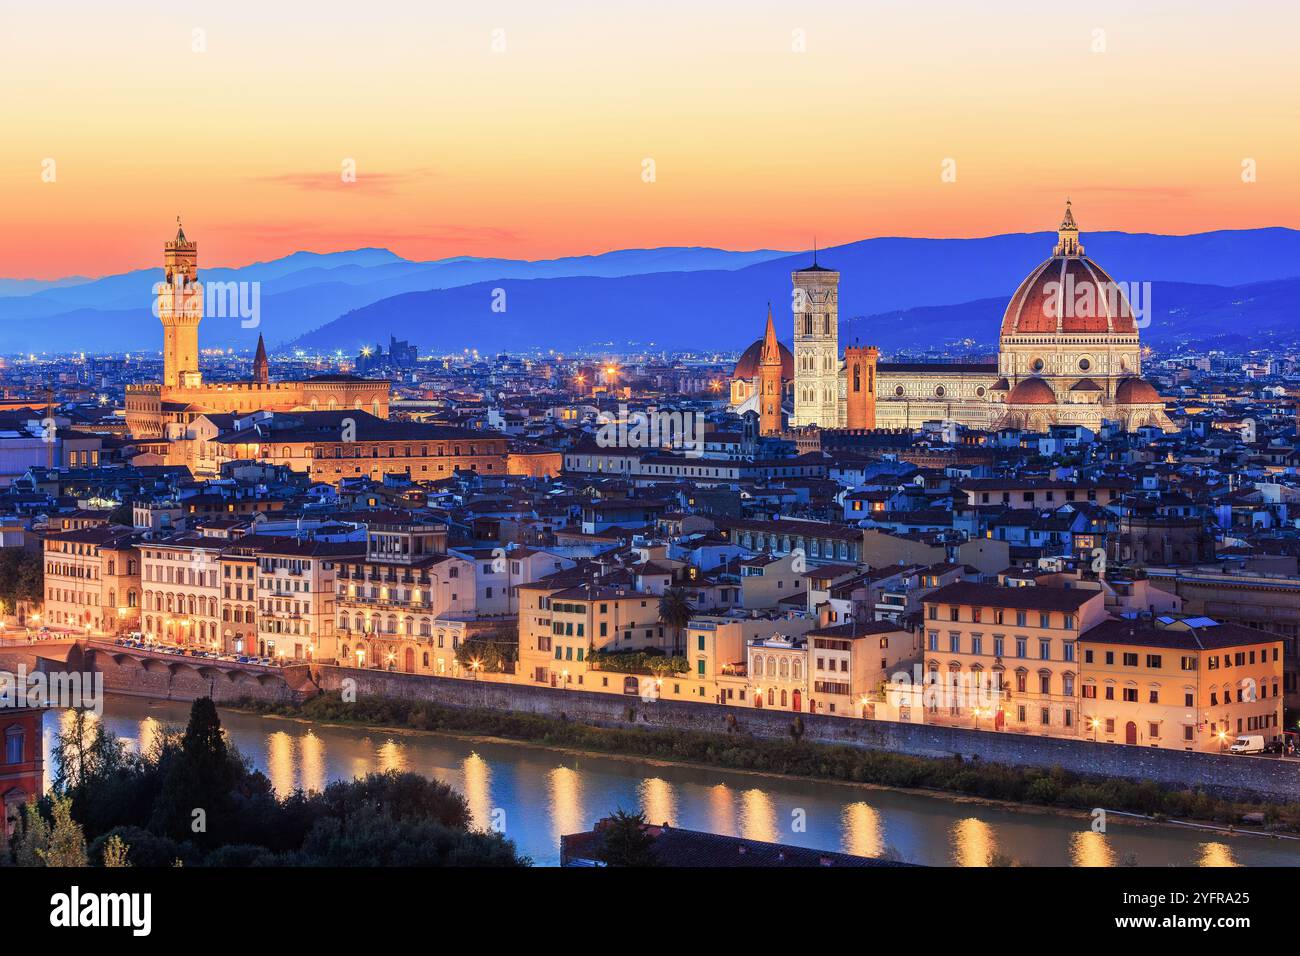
(1091,849)
(1216,854)
(478,790)
(150,735)
(658,802)
(392,756)
(973,843)
(279,762)
(722,809)
(864,833)
(758,817)
(312,749)
(566,802)
(545,795)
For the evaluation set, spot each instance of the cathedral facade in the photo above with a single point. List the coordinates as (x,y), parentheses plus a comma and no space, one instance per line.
(157,411)
(1068,355)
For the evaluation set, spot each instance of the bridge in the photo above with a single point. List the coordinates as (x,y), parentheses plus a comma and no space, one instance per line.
(141,672)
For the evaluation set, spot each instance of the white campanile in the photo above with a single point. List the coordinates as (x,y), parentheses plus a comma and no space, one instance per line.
(816,307)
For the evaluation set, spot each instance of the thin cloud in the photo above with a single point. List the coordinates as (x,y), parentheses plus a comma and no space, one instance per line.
(317,181)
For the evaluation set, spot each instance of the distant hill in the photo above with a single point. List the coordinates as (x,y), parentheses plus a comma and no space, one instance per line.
(894,292)
(298,292)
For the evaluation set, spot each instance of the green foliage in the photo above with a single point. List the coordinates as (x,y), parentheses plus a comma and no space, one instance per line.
(674,609)
(32,838)
(624,841)
(638,662)
(67,843)
(738,751)
(115,853)
(492,651)
(22,576)
(144,804)
(199,779)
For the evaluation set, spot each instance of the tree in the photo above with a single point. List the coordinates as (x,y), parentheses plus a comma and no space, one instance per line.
(85,754)
(22,576)
(492,651)
(198,781)
(115,851)
(624,840)
(67,846)
(30,845)
(675,611)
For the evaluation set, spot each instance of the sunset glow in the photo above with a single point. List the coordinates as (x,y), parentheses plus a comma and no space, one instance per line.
(538,150)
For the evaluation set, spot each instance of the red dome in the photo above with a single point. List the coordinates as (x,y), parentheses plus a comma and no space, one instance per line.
(747,366)
(1136,391)
(1032,391)
(1068,294)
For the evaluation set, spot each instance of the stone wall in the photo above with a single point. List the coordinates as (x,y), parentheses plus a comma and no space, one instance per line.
(184,679)
(1226,775)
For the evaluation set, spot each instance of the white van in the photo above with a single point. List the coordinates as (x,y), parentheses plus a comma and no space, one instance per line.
(1248,745)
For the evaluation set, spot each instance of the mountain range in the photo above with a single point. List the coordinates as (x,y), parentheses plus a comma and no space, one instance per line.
(894,292)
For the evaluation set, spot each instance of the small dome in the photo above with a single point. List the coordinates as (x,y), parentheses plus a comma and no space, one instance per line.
(747,366)
(1001,385)
(1032,391)
(1085,385)
(1137,391)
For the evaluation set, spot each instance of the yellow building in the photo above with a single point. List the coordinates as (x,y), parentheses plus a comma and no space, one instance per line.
(1006,658)
(92,579)
(1183,684)
(563,619)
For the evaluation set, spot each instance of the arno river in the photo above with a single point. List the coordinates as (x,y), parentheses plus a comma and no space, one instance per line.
(538,794)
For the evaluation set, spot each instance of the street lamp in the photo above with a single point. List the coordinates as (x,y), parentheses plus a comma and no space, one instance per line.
(1094,723)
(475,664)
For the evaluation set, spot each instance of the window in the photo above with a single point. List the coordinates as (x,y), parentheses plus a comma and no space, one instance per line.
(14,739)
(1130,695)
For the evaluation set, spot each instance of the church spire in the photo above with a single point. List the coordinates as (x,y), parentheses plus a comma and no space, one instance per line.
(261,367)
(1067,235)
(771,351)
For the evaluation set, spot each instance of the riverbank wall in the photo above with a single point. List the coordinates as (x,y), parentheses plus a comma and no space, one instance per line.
(1230,777)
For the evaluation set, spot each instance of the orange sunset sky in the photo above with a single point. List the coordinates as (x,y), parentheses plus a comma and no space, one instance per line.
(537,151)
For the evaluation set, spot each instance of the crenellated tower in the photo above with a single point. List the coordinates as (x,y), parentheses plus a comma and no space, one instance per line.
(860,379)
(180,307)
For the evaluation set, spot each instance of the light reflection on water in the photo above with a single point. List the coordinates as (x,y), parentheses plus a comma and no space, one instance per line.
(541,794)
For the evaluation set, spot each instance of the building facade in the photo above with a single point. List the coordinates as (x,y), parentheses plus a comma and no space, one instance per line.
(1069,354)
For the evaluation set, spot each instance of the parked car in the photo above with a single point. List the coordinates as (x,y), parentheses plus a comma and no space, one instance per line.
(1249,744)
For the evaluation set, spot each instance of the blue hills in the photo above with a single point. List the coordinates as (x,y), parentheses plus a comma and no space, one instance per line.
(894,292)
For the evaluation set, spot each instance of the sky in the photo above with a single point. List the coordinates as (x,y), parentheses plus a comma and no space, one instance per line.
(535,130)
